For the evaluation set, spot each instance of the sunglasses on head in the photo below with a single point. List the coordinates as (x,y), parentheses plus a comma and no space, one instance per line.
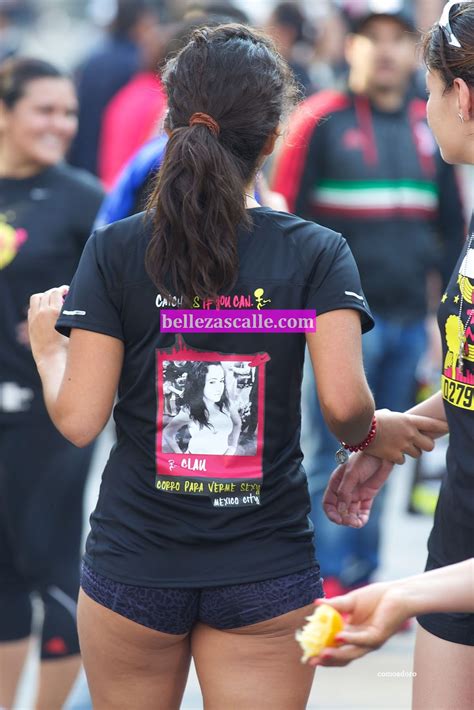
(445,25)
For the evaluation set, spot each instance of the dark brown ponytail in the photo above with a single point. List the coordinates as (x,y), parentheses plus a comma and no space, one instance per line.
(234,75)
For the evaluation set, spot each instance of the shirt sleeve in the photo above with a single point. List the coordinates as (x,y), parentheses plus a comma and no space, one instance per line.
(93,301)
(334,282)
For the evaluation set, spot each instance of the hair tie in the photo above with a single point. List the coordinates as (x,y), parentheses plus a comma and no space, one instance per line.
(206,120)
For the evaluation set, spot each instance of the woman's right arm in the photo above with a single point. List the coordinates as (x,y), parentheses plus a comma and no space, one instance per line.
(377,611)
(353,486)
(336,356)
(346,401)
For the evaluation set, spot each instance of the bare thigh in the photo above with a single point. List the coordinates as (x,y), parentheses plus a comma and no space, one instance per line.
(56,679)
(444,674)
(255,667)
(129,665)
(12,659)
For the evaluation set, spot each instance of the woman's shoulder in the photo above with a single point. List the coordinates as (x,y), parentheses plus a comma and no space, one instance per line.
(128,229)
(310,239)
(125,238)
(120,249)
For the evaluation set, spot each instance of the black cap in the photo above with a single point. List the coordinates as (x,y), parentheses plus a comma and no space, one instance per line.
(381,8)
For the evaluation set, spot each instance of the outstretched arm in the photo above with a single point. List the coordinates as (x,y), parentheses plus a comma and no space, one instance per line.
(431,407)
(353,486)
(377,611)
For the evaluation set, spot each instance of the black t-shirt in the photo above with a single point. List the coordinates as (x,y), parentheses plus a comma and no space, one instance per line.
(452,538)
(183,502)
(45,221)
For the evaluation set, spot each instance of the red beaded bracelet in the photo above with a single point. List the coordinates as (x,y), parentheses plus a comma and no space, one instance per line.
(368,439)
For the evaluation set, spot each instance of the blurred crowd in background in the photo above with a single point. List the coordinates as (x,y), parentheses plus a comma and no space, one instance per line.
(104,43)
(310,33)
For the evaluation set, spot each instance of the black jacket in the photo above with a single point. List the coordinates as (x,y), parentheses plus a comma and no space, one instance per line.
(377,178)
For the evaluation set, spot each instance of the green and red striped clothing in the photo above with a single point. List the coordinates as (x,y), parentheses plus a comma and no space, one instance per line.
(377,178)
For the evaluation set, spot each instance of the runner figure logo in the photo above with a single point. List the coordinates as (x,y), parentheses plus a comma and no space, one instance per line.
(210,424)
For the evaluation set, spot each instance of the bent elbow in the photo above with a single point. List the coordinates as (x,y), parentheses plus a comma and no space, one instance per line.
(349,421)
(80,441)
(345,413)
(76,434)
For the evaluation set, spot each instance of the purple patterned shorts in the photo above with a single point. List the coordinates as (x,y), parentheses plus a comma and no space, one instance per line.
(176,610)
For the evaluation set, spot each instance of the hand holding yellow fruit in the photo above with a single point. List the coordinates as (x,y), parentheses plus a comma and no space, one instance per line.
(320,632)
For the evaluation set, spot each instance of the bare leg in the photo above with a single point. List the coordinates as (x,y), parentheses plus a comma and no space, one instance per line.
(255,666)
(444,674)
(129,665)
(55,682)
(12,659)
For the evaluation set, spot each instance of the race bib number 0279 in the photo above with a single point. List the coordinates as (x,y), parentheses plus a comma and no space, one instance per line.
(459,394)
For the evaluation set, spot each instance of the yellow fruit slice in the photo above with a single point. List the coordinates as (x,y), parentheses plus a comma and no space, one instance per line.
(323,626)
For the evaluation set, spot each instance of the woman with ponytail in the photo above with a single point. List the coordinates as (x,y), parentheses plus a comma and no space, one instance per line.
(200,544)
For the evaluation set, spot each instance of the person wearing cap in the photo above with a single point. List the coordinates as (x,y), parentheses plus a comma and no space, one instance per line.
(365,163)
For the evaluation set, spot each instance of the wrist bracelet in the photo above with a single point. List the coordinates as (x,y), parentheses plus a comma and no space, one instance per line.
(341,454)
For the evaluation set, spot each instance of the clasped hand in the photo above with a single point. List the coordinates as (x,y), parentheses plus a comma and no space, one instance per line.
(353,486)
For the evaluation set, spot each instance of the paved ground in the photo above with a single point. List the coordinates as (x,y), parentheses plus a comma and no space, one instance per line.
(357,687)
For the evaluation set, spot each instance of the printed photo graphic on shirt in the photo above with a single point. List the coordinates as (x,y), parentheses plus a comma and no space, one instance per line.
(210,424)
(11,240)
(458,369)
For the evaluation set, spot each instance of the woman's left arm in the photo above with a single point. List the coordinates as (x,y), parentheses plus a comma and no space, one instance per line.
(235,433)
(79,375)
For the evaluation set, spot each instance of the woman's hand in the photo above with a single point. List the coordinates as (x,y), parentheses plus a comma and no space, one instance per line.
(374,612)
(352,488)
(42,316)
(377,611)
(399,434)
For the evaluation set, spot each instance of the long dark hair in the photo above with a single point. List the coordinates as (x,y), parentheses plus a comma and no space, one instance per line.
(193,396)
(453,62)
(235,75)
(16,74)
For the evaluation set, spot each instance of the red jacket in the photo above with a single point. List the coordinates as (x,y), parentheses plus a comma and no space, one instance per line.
(130,119)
